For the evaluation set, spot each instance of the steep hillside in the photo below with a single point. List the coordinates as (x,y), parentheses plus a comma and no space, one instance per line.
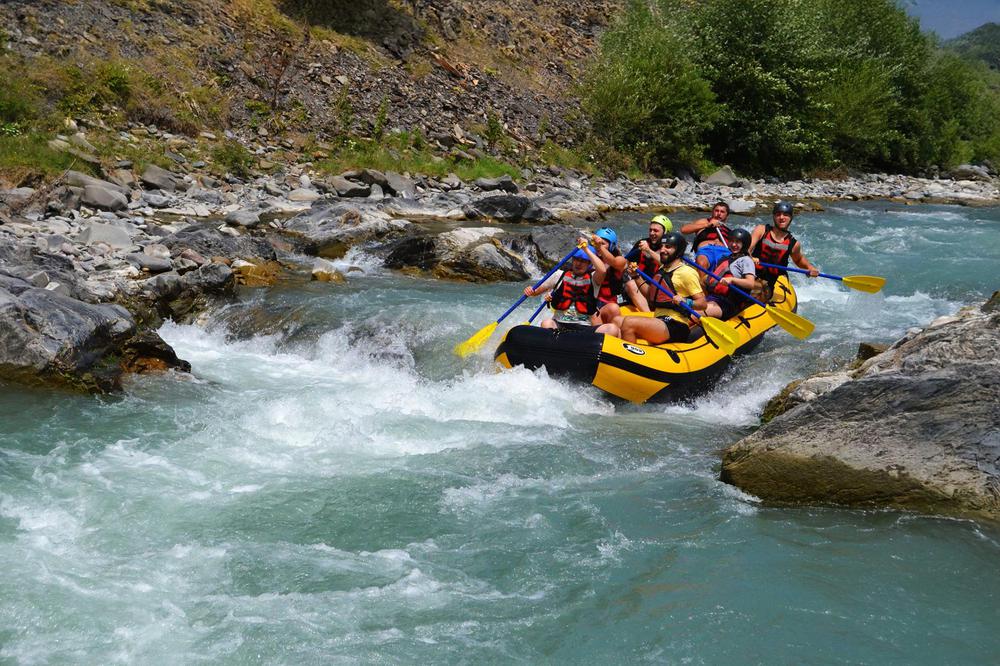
(982,44)
(302,71)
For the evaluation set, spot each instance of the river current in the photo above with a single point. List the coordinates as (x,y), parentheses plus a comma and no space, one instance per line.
(334,486)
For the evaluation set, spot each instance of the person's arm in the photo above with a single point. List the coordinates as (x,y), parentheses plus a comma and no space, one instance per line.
(545,286)
(600,269)
(604,252)
(801,261)
(696,226)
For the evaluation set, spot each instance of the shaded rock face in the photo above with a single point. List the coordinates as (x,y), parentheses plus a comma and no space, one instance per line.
(916,427)
(344,225)
(475,254)
(46,338)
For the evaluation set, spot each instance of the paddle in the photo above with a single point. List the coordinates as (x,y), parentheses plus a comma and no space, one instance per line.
(715,329)
(477,340)
(867,283)
(538,311)
(798,326)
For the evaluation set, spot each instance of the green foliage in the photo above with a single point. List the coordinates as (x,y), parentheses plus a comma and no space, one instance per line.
(644,94)
(344,111)
(234,158)
(494,132)
(24,154)
(782,86)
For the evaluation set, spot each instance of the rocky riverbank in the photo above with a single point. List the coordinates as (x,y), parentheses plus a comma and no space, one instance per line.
(118,255)
(914,427)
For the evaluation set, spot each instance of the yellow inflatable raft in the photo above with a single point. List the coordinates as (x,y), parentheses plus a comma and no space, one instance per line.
(639,372)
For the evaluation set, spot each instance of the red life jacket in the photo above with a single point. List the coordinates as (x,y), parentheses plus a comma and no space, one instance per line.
(573,291)
(771,251)
(613,285)
(647,265)
(710,234)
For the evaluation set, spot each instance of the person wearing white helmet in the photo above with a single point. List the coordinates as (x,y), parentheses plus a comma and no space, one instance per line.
(573,293)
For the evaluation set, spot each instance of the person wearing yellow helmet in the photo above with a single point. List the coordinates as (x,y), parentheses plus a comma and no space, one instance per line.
(645,253)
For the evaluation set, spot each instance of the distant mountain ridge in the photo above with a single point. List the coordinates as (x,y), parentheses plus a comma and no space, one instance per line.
(981,44)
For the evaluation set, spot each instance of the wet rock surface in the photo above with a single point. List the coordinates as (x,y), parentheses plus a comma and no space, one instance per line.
(914,427)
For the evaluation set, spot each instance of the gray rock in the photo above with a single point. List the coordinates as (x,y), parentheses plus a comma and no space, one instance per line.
(211,278)
(400,185)
(303,195)
(156,200)
(157,178)
(451,182)
(554,242)
(376,194)
(95,232)
(723,176)
(50,339)
(144,262)
(243,218)
(474,254)
(916,427)
(345,225)
(208,241)
(164,285)
(505,183)
(970,172)
(503,207)
(123,178)
(348,188)
(17,196)
(82,180)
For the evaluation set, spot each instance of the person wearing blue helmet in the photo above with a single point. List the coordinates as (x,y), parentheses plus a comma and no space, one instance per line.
(618,286)
(573,293)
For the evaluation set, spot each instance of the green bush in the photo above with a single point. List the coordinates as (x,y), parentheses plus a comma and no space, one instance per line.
(783,86)
(643,93)
(234,158)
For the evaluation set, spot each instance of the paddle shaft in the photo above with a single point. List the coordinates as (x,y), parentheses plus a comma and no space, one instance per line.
(536,285)
(719,279)
(666,291)
(538,311)
(798,270)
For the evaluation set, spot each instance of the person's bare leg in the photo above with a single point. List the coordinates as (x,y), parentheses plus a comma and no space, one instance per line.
(713,310)
(636,296)
(609,312)
(652,330)
(548,323)
(610,329)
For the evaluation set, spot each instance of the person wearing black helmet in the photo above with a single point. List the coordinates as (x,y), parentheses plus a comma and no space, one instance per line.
(738,270)
(674,324)
(774,244)
(574,292)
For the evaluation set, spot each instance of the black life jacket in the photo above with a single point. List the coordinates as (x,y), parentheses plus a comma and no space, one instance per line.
(710,234)
(573,291)
(771,251)
(657,299)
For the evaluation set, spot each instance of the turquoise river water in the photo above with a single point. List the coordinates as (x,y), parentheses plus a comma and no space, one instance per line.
(334,486)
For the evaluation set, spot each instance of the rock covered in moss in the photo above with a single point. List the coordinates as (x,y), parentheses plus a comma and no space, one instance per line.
(916,427)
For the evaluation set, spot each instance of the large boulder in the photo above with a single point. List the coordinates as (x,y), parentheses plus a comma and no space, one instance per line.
(50,339)
(159,178)
(208,241)
(915,427)
(472,254)
(337,227)
(970,172)
(500,207)
(723,176)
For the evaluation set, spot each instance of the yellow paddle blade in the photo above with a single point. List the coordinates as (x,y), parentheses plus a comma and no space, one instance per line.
(473,344)
(721,334)
(798,326)
(868,283)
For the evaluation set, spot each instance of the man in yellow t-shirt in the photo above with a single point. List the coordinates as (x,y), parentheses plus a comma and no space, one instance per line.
(681,280)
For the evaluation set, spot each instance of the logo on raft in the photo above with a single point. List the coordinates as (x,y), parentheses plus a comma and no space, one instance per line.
(635,350)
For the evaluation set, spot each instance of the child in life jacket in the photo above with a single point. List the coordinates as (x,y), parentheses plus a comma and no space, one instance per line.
(737,269)
(573,293)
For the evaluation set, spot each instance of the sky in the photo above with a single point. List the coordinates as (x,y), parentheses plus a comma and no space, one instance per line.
(951,18)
